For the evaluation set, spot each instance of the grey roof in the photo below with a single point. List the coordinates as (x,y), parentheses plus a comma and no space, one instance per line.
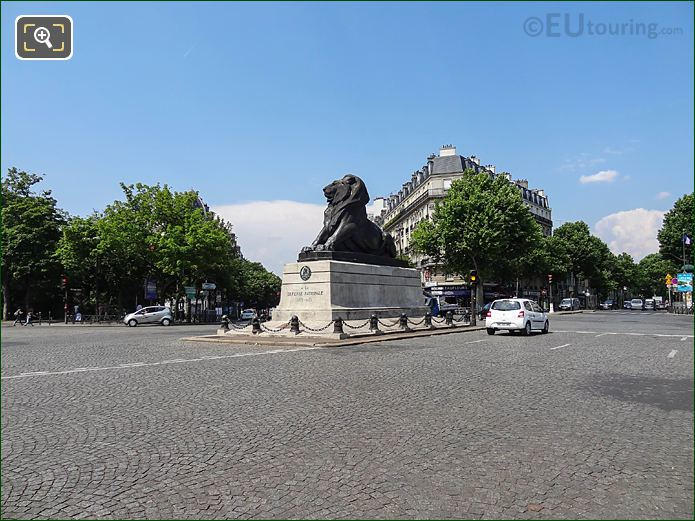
(454,164)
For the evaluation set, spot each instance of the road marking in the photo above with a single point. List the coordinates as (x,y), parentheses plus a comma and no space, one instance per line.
(164,362)
(475,341)
(672,353)
(558,347)
(684,338)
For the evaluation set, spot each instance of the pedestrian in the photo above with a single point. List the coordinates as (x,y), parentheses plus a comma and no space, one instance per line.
(17,316)
(29,319)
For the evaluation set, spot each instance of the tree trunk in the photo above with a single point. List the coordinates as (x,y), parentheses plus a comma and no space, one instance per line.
(5,300)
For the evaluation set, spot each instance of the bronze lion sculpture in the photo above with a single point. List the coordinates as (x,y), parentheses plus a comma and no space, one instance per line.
(345,223)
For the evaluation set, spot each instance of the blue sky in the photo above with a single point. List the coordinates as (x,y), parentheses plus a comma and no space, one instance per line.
(251,102)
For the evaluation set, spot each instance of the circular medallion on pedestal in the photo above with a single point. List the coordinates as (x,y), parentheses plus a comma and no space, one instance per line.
(305,272)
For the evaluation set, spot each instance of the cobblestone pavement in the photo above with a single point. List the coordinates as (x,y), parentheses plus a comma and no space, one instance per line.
(594,420)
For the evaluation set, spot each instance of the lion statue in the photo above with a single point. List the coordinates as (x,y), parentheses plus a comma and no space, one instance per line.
(345,223)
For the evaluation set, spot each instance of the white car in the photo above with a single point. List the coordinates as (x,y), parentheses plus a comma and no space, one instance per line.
(516,314)
(637,303)
(150,315)
(247,314)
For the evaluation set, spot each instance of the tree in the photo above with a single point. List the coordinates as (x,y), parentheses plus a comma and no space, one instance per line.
(481,223)
(585,251)
(30,232)
(652,271)
(78,253)
(259,287)
(677,221)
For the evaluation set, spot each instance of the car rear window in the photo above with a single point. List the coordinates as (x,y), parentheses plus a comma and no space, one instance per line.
(506,305)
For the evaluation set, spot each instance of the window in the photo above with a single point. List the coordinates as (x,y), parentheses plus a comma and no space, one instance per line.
(528,306)
(505,305)
(537,308)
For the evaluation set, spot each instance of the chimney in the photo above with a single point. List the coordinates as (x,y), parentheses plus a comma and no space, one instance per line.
(491,168)
(522,182)
(447,150)
(420,177)
(414,179)
(475,160)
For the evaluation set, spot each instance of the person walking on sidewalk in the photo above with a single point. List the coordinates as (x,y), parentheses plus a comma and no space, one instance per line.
(29,319)
(17,316)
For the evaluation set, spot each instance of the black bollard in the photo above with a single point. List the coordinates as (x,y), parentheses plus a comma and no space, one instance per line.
(225,322)
(294,324)
(403,322)
(256,326)
(373,324)
(449,318)
(428,320)
(338,326)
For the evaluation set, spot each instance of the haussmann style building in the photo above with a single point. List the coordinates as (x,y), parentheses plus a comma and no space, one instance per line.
(400,212)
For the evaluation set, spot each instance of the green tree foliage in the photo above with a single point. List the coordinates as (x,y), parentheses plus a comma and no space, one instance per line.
(651,271)
(158,234)
(481,224)
(258,287)
(680,219)
(30,232)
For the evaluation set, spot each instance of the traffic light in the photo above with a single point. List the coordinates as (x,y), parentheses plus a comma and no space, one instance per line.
(550,278)
(63,282)
(473,276)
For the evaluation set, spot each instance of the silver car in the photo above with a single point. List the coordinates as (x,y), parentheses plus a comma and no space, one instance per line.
(150,315)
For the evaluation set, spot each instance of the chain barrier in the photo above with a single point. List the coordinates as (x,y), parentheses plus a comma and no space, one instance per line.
(355,327)
(417,323)
(233,325)
(316,330)
(440,321)
(464,318)
(389,325)
(271,330)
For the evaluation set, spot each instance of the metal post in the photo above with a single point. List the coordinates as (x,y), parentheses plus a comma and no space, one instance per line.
(256,325)
(338,326)
(374,324)
(449,318)
(294,324)
(403,322)
(428,320)
(474,290)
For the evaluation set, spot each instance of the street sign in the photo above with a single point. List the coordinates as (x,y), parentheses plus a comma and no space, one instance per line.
(668,279)
(150,290)
(190,291)
(685,282)
(209,285)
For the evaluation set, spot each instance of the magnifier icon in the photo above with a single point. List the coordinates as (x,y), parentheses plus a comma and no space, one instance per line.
(43,35)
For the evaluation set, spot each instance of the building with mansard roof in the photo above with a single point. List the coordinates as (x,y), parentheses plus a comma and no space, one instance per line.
(400,212)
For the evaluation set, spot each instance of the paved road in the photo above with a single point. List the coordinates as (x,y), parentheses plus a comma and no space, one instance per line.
(594,420)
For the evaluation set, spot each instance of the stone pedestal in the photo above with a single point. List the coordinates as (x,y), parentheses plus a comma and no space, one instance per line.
(319,291)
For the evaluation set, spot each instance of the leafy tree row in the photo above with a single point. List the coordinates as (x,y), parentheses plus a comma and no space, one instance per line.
(154,233)
(483,224)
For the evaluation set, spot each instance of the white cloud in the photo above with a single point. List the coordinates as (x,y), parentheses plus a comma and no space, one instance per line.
(663,195)
(273,232)
(604,176)
(631,231)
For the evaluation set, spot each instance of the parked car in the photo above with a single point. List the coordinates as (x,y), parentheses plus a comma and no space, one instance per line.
(516,314)
(248,314)
(636,303)
(150,315)
(627,305)
(650,304)
(608,304)
(569,304)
